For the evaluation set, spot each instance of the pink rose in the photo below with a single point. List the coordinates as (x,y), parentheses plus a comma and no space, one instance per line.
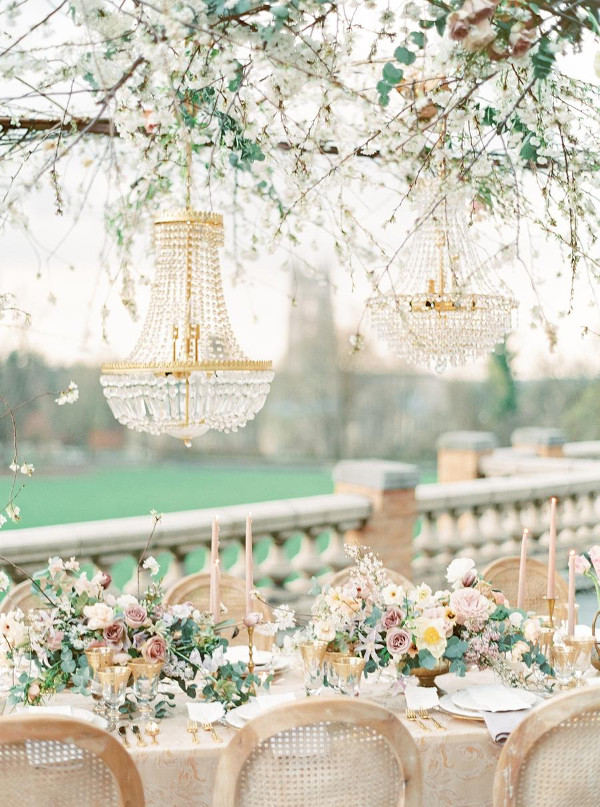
(155,649)
(397,641)
(472,609)
(594,554)
(33,693)
(478,10)
(469,579)
(135,616)
(96,643)
(458,27)
(521,40)
(55,640)
(105,579)
(581,564)
(115,635)
(499,598)
(392,617)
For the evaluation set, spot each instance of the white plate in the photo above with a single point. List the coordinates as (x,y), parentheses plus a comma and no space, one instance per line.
(446,705)
(501,699)
(262,658)
(66,711)
(239,716)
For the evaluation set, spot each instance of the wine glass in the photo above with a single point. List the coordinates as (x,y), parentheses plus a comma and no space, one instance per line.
(582,646)
(146,676)
(313,653)
(563,660)
(98,658)
(113,681)
(349,674)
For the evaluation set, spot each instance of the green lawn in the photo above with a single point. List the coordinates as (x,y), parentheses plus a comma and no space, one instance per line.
(130,491)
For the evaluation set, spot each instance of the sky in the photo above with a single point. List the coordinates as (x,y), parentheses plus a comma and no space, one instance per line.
(57,276)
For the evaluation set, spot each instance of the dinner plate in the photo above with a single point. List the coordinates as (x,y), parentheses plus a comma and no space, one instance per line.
(66,711)
(261,658)
(507,701)
(239,716)
(447,705)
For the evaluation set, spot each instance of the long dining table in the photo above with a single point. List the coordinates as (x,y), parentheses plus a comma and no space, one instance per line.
(458,761)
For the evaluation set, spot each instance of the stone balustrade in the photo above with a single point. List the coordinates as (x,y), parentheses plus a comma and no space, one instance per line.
(294,539)
(484,518)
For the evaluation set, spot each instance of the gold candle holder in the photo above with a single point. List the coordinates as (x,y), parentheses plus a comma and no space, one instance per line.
(551,601)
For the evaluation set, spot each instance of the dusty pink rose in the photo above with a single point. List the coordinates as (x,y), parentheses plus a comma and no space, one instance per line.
(135,616)
(521,41)
(581,564)
(392,617)
(469,579)
(594,554)
(115,635)
(397,641)
(155,649)
(471,607)
(33,692)
(478,10)
(458,27)
(105,580)
(96,643)
(499,598)
(54,642)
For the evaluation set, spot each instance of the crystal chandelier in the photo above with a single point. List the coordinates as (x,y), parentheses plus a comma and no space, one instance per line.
(187,374)
(446,307)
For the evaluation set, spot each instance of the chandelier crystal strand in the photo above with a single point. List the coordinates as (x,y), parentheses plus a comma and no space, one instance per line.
(446,307)
(187,373)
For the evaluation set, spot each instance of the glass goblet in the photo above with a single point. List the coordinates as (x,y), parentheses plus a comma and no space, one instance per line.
(562,659)
(113,681)
(146,676)
(582,647)
(349,673)
(313,654)
(98,658)
(328,669)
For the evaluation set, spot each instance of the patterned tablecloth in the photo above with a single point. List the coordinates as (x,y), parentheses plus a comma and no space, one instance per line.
(458,763)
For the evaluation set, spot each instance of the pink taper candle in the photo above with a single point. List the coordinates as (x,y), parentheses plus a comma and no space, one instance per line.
(523,571)
(214,543)
(571,624)
(552,551)
(214,595)
(249,565)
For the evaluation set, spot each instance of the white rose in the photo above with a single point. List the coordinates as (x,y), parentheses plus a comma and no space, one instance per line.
(457,570)
(125,600)
(325,631)
(516,619)
(99,616)
(531,630)
(392,594)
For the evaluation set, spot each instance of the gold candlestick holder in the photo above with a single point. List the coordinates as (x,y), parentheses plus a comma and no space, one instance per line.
(551,601)
(251,656)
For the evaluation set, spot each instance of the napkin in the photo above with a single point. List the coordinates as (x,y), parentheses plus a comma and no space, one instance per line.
(500,724)
(205,712)
(497,698)
(421,697)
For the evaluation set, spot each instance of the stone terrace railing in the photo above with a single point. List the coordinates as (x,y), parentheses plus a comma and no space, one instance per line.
(484,518)
(294,539)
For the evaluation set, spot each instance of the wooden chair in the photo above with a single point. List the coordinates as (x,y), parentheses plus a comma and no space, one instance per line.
(341,577)
(196,588)
(324,752)
(503,574)
(21,596)
(59,762)
(551,758)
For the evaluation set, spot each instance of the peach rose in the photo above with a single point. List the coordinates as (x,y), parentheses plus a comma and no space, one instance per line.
(155,649)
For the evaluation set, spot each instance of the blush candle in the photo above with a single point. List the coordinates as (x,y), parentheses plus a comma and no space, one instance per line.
(571,601)
(249,565)
(521,595)
(550,593)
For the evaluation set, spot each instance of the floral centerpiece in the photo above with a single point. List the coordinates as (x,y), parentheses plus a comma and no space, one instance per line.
(468,624)
(81,613)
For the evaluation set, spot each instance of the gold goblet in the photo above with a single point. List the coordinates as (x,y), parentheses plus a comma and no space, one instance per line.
(331,678)
(349,672)
(98,658)
(582,646)
(313,653)
(146,676)
(113,681)
(562,659)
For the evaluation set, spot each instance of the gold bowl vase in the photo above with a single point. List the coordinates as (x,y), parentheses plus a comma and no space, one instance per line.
(427,677)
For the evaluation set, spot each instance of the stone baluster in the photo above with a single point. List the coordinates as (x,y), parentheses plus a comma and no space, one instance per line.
(308,561)
(335,555)
(278,568)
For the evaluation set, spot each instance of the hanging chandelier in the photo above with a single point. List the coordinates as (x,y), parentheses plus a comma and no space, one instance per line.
(447,308)
(187,374)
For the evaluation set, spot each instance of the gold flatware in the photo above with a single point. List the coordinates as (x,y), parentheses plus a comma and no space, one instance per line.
(123,734)
(412,716)
(138,734)
(153,731)
(192,728)
(428,716)
(211,728)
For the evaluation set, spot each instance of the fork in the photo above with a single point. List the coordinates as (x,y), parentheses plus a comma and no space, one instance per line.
(192,728)
(211,728)
(428,716)
(412,716)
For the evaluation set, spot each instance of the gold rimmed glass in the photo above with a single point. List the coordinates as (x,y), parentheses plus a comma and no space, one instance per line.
(146,676)
(329,671)
(313,653)
(349,674)
(113,681)
(561,616)
(98,658)
(562,659)
(582,646)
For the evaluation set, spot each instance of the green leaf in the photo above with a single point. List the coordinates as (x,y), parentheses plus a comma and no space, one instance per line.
(456,648)
(458,667)
(281,12)
(543,60)
(393,75)
(426,659)
(440,24)
(500,613)
(404,56)
(419,38)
